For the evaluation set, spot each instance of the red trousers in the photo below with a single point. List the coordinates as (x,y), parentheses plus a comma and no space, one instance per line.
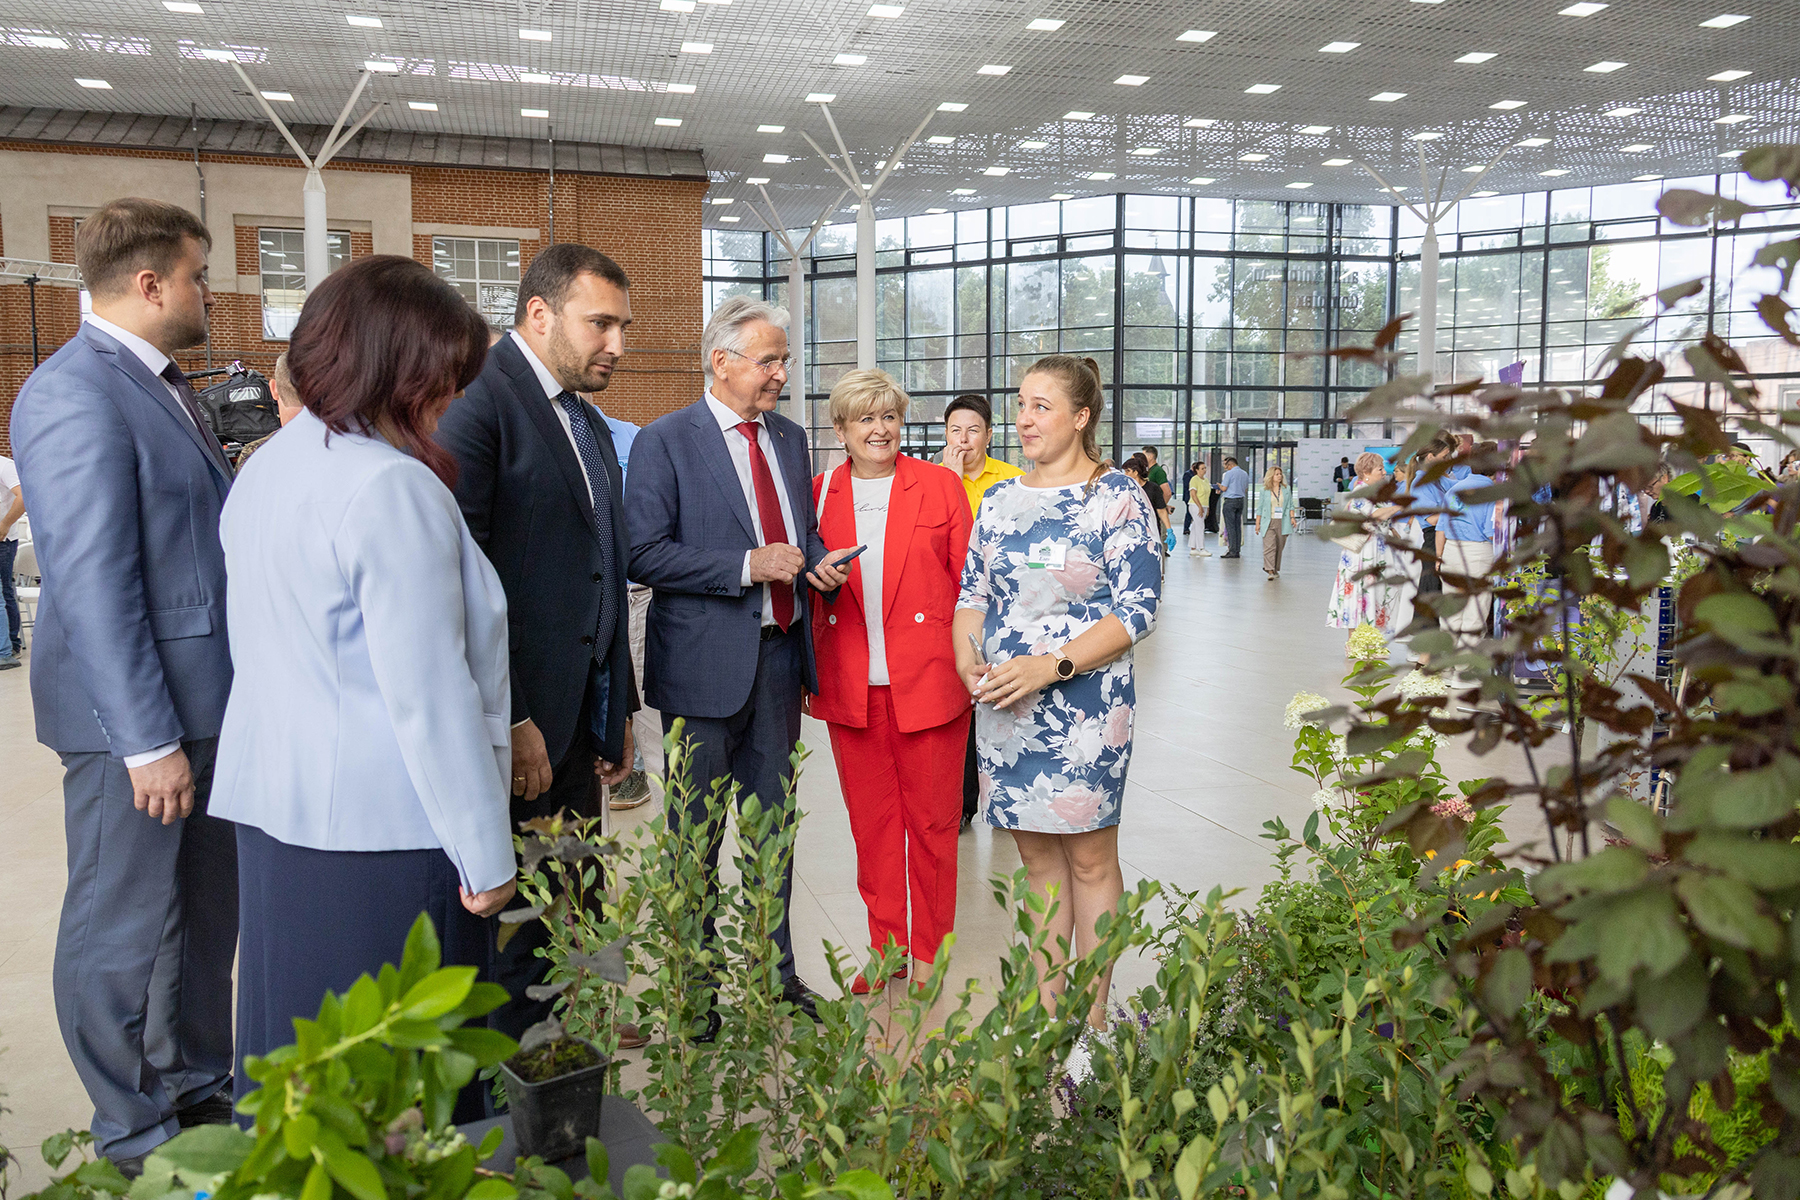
(904,795)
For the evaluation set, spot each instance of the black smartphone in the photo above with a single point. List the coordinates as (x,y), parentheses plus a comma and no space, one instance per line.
(844,562)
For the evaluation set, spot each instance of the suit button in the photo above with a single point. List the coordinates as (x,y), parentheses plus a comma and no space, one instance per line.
(831,620)
(587,641)
(918,618)
(596,577)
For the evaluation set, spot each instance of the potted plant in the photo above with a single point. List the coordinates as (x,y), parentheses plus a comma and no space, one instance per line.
(554,1086)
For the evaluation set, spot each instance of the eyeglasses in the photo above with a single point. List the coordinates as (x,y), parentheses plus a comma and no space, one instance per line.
(767,366)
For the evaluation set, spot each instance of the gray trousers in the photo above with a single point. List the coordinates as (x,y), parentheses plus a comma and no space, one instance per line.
(142,974)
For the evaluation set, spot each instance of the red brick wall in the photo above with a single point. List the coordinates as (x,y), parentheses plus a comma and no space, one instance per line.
(652,226)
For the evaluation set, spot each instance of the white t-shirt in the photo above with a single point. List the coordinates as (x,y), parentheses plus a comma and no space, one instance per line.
(871,500)
(9,479)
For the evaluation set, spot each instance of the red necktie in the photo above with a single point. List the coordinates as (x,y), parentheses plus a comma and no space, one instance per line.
(768,507)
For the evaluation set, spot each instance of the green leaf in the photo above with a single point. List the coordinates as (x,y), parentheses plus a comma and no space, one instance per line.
(437,993)
(861,1185)
(1481,1180)
(494,1189)
(1645,563)
(1766,863)
(362,1006)
(208,1149)
(938,1155)
(598,1164)
(416,1035)
(1774,161)
(1508,982)
(1728,910)
(642,1182)
(1191,1166)
(678,1162)
(1613,442)
(1684,206)
(318,1183)
(299,1134)
(1670,1006)
(58,1146)
(737,1157)
(422,955)
(1637,822)
(485,1046)
(1734,615)
(353,1171)
(101,1175)
(490,1145)
(1614,869)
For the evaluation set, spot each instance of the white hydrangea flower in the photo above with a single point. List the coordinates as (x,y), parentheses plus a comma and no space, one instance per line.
(1326,798)
(1299,706)
(1340,748)
(1416,685)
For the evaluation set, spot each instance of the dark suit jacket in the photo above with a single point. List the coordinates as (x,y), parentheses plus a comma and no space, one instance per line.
(527,504)
(130,650)
(690,527)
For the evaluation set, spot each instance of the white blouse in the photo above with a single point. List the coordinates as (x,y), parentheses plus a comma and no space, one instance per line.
(871,501)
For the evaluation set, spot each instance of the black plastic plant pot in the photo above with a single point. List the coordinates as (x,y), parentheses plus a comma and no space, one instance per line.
(553,1120)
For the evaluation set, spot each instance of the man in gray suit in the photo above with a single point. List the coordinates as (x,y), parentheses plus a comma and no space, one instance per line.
(130,672)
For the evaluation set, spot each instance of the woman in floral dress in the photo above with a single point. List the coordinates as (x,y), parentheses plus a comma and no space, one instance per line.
(1062,580)
(1362,593)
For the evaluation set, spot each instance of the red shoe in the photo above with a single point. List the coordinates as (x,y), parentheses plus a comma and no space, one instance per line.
(861,986)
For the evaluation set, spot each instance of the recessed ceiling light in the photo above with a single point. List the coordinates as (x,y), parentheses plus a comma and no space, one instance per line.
(1132,80)
(951,106)
(1605,67)
(534,35)
(668,122)
(820,97)
(1482,195)
(935,211)
(1046,24)
(1078,115)
(1733,119)
(1728,76)
(1335,162)
(1387,97)
(1199,123)
(187,6)
(362,22)
(1476,56)
(770,128)
(1315,130)
(1196,35)
(1732,154)
(1430,135)
(886,11)
(1637,148)
(850,60)
(539,113)
(1472,168)
(1723,21)
(422,105)
(730,218)
(1644,178)
(723,200)
(383,66)
(696,47)
(219,55)
(1586,8)
(998,171)
(1627,111)
(938,139)
(1146,151)
(1338,47)
(1253,157)
(1297,185)
(775,158)
(1024,145)
(45,41)
(1533,141)
(756,179)
(1262,89)
(1507,105)
(535,77)
(1101,175)
(1202,180)
(286,97)
(680,6)
(1553,171)
(962,191)
(1062,195)
(682,89)
(992,69)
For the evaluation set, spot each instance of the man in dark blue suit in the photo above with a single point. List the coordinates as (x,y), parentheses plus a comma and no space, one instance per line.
(129,676)
(722,527)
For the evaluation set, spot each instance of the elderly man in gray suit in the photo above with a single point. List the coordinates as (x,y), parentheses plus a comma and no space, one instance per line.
(130,672)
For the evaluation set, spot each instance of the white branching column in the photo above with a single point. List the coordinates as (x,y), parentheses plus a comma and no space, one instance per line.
(798,408)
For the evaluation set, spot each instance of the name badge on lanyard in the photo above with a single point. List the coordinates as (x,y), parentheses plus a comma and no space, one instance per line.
(1047,555)
(1275,514)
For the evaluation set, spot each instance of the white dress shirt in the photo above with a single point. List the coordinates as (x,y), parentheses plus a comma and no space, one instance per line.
(552,390)
(739,448)
(869,497)
(157,361)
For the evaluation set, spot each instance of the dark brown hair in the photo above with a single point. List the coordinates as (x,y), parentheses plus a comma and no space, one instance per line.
(970,402)
(132,235)
(384,339)
(552,273)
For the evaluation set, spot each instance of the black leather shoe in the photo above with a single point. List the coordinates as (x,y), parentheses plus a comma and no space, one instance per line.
(131,1167)
(709,1031)
(214,1110)
(795,992)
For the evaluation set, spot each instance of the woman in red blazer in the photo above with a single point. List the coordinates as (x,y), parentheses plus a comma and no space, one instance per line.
(888,687)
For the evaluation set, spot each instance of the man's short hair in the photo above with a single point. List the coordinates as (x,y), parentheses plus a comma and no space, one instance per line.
(1149,450)
(553,272)
(726,329)
(1232,459)
(284,383)
(131,235)
(970,402)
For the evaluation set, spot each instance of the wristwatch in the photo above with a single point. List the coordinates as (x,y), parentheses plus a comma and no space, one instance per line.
(1065,666)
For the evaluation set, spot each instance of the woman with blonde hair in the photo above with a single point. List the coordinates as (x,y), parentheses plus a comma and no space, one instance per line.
(888,688)
(1062,581)
(1363,593)
(1274,518)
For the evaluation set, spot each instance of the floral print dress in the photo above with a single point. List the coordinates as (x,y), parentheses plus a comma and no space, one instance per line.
(1358,598)
(1056,761)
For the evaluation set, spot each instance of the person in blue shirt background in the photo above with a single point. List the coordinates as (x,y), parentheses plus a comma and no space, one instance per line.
(1465,546)
(646,722)
(1234,487)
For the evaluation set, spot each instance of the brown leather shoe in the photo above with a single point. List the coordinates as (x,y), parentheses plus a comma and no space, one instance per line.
(631,1037)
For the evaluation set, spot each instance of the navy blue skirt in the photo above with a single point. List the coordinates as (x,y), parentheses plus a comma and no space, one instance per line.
(313,920)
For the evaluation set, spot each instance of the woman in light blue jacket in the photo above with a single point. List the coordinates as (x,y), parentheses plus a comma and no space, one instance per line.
(365,749)
(1274,518)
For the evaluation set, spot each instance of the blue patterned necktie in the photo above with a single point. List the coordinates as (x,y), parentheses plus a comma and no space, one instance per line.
(587,445)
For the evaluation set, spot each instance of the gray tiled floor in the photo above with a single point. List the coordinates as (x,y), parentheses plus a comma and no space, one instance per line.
(1210,765)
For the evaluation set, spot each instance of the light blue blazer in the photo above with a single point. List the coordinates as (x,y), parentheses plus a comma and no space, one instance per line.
(370,706)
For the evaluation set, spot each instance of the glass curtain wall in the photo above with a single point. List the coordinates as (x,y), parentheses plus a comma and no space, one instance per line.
(1208,318)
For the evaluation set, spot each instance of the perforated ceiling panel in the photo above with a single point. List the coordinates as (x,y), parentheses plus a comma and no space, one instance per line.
(1626,91)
